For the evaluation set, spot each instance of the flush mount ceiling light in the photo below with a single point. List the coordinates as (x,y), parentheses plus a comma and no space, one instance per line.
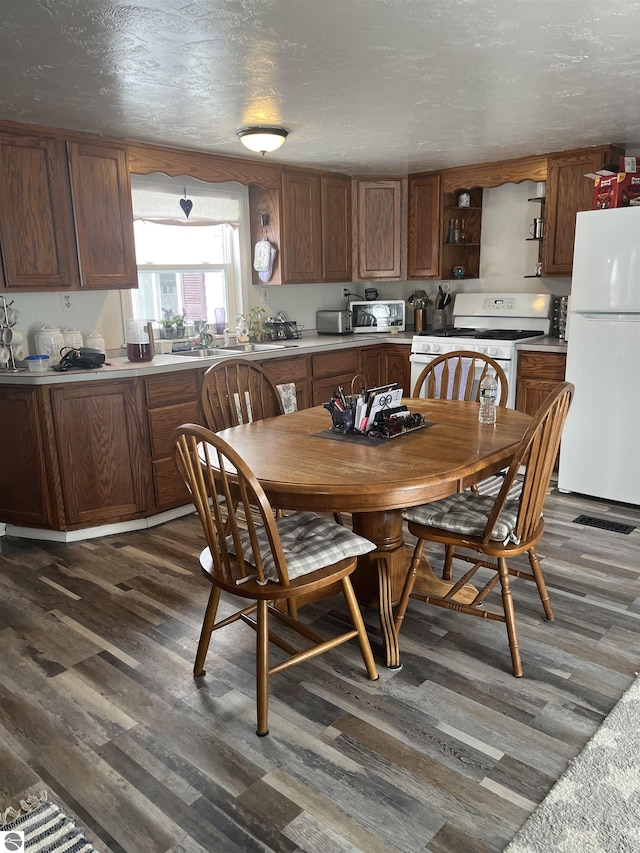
(262,139)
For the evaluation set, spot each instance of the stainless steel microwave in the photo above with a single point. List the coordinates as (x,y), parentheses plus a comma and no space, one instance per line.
(379,315)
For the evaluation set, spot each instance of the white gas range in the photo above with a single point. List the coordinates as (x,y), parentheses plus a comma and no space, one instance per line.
(490,323)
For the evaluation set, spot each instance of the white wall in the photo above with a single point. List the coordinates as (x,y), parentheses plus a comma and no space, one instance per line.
(506,257)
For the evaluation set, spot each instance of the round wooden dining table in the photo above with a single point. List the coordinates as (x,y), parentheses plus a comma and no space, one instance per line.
(303,466)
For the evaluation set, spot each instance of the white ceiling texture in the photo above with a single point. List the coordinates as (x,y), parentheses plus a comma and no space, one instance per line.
(364,86)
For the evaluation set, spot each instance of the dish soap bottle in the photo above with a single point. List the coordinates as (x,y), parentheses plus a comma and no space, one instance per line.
(488,395)
(242,329)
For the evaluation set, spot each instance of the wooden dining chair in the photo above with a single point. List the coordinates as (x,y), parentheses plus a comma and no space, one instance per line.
(494,529)
(253,555)
(237,391)
(457,376)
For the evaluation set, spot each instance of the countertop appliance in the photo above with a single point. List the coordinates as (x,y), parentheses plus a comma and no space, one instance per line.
(378,315)
(333,322)
(490,323)
(600,450)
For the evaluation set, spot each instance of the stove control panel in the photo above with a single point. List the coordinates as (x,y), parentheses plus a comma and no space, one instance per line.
(498,304)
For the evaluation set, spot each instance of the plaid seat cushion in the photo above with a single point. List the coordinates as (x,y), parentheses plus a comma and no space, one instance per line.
(309,542)
(466,513)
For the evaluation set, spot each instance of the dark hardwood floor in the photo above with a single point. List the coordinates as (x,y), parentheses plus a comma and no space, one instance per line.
(450,754)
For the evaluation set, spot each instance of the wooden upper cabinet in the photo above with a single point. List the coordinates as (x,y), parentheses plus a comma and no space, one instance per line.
(424,227)
(101,191)
(36,223)
(335,194)
(379,229)
(301,228)
(568,191)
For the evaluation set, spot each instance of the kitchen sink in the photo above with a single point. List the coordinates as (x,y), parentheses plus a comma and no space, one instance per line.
(253,347)
(204,352)
(232,349)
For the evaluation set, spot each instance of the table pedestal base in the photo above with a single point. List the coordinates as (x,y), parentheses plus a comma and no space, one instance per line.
(379,577)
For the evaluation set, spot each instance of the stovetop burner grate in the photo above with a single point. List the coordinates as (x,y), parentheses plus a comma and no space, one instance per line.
(482,334)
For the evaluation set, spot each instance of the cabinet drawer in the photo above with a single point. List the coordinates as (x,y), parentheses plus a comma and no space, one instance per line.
(541,365)
(163,422)
(293,369)
(172,388)
(335,363)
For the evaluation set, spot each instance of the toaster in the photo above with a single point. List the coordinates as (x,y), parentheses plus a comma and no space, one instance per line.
(333,322)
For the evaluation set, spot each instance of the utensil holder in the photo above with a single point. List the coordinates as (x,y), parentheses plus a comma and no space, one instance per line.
(440,318)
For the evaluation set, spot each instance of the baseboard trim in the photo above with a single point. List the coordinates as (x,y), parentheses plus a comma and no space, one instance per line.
(42,534)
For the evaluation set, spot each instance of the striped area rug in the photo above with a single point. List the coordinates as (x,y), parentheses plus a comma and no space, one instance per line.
(46,828)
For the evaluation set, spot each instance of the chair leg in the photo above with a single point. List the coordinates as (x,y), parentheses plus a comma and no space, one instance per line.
(358,624)
(447,569)
(262,668)
(207,629)
(542,587)
(409,582)
(510,617)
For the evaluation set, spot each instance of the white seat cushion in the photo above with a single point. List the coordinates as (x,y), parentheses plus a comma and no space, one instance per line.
(309,542)
(466,513)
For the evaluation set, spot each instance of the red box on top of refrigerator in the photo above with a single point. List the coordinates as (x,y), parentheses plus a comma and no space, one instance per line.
(629,164)
(621,190)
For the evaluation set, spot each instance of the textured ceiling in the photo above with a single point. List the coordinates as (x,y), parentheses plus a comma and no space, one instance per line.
(376,86)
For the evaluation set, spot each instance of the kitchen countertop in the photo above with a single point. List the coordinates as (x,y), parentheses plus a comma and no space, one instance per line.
(121,367)
(545,343)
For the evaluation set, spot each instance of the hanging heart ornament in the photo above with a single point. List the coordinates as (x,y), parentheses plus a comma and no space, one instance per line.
(186,204)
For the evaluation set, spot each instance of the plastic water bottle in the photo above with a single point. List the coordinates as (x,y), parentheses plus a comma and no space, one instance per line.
(488,396)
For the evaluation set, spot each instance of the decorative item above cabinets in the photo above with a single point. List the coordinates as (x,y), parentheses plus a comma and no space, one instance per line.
(65,214)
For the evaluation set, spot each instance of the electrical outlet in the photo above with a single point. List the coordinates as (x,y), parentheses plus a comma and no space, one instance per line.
(264,295)
(65,298)
(345,292)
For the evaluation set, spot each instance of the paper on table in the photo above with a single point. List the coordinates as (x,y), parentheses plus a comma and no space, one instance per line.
(385,400)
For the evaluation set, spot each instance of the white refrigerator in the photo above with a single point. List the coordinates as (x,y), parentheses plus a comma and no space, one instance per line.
(600,450)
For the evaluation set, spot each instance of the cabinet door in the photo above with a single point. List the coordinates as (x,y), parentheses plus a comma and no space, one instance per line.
(397,367)
(36,224)
(301,228)
(101,191)
(379,239)
(296,369)
(568,191)
(102,444)
(23,482)
(424,227)
(372,365)
(335,194)
(333,369)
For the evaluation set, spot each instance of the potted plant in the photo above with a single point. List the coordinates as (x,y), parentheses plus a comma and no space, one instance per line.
(254,323)
(167,322)
(178,320)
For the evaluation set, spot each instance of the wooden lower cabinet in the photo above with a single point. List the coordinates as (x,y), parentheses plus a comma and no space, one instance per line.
(24,495)
(101,442)
(84,454)
(538,373)
(330,370)
(172,399)
(387,363)
(397,367)
(296,369)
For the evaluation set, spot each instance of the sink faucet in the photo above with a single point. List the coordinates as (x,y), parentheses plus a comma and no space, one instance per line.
(206,337)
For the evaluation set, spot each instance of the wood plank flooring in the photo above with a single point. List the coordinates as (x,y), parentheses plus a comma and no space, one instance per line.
(450,754)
